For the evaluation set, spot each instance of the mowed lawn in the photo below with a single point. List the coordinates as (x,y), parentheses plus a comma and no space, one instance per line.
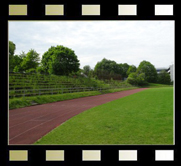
(145,117)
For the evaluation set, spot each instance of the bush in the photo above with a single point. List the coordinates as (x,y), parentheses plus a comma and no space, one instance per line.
(32,70)
(164,78)
(132,79)
(40,69)
(137,79)
(141,80)
(16,69)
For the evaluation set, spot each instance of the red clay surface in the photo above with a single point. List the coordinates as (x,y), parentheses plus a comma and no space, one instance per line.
(27,125)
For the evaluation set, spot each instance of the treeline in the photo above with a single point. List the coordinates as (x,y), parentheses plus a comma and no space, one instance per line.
(58,60)
(61,60)
(144,74)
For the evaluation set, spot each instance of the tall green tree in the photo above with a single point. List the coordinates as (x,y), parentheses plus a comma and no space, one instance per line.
(30,60)
(107,69)
(12,48)
(17,60)
(60,60)
(149,70)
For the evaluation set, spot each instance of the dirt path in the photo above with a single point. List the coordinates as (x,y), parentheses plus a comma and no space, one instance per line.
(27,125)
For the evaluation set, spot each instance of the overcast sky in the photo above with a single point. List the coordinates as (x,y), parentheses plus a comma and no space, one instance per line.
(122,41)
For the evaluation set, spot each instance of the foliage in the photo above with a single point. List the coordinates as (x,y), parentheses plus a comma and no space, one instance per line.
(31,60)
(16,69)
(141,79)
(31,70)
(105,75)
(60,60)
(27,101)
(40,69)
(149,70)
(132,78)
(12,48)
(16,63)
(23,62)
(164,77)
(137,79)
(107,69)
(76,74)
(86,70)
(131,69)
(124,68)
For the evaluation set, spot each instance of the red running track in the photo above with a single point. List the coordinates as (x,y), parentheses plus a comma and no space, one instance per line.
(28,124)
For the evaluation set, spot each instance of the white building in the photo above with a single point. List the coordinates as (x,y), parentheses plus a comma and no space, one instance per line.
(172,72)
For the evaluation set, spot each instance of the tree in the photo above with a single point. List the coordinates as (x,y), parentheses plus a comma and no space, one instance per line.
(131,69)
(164,77)
(149,70)
(17,60)
(30,61)
(60,60)
(86,70)
(107,69)
(106,65)
(124,68)
(12,48)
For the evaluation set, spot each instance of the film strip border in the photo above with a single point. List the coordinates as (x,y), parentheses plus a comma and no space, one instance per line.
(91,10)
(92,155)
(101,154)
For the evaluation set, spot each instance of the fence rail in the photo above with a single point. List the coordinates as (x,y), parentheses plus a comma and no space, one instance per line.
(52,91)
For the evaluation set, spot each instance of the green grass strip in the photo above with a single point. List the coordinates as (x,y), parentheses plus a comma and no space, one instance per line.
(153,85)
(142,118)
(42,99)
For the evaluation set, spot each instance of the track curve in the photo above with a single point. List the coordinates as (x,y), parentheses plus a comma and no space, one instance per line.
(28,124)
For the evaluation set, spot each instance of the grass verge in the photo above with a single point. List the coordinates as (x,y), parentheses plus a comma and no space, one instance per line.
(143,118)
(153,85)
(29,101)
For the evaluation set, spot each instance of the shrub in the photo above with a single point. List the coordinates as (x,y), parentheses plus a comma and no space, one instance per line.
(141,80)
(137,79)
(132,78)
(32,70)
(164,78)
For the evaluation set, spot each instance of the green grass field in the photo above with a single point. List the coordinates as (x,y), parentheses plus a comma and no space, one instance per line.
(143,118)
